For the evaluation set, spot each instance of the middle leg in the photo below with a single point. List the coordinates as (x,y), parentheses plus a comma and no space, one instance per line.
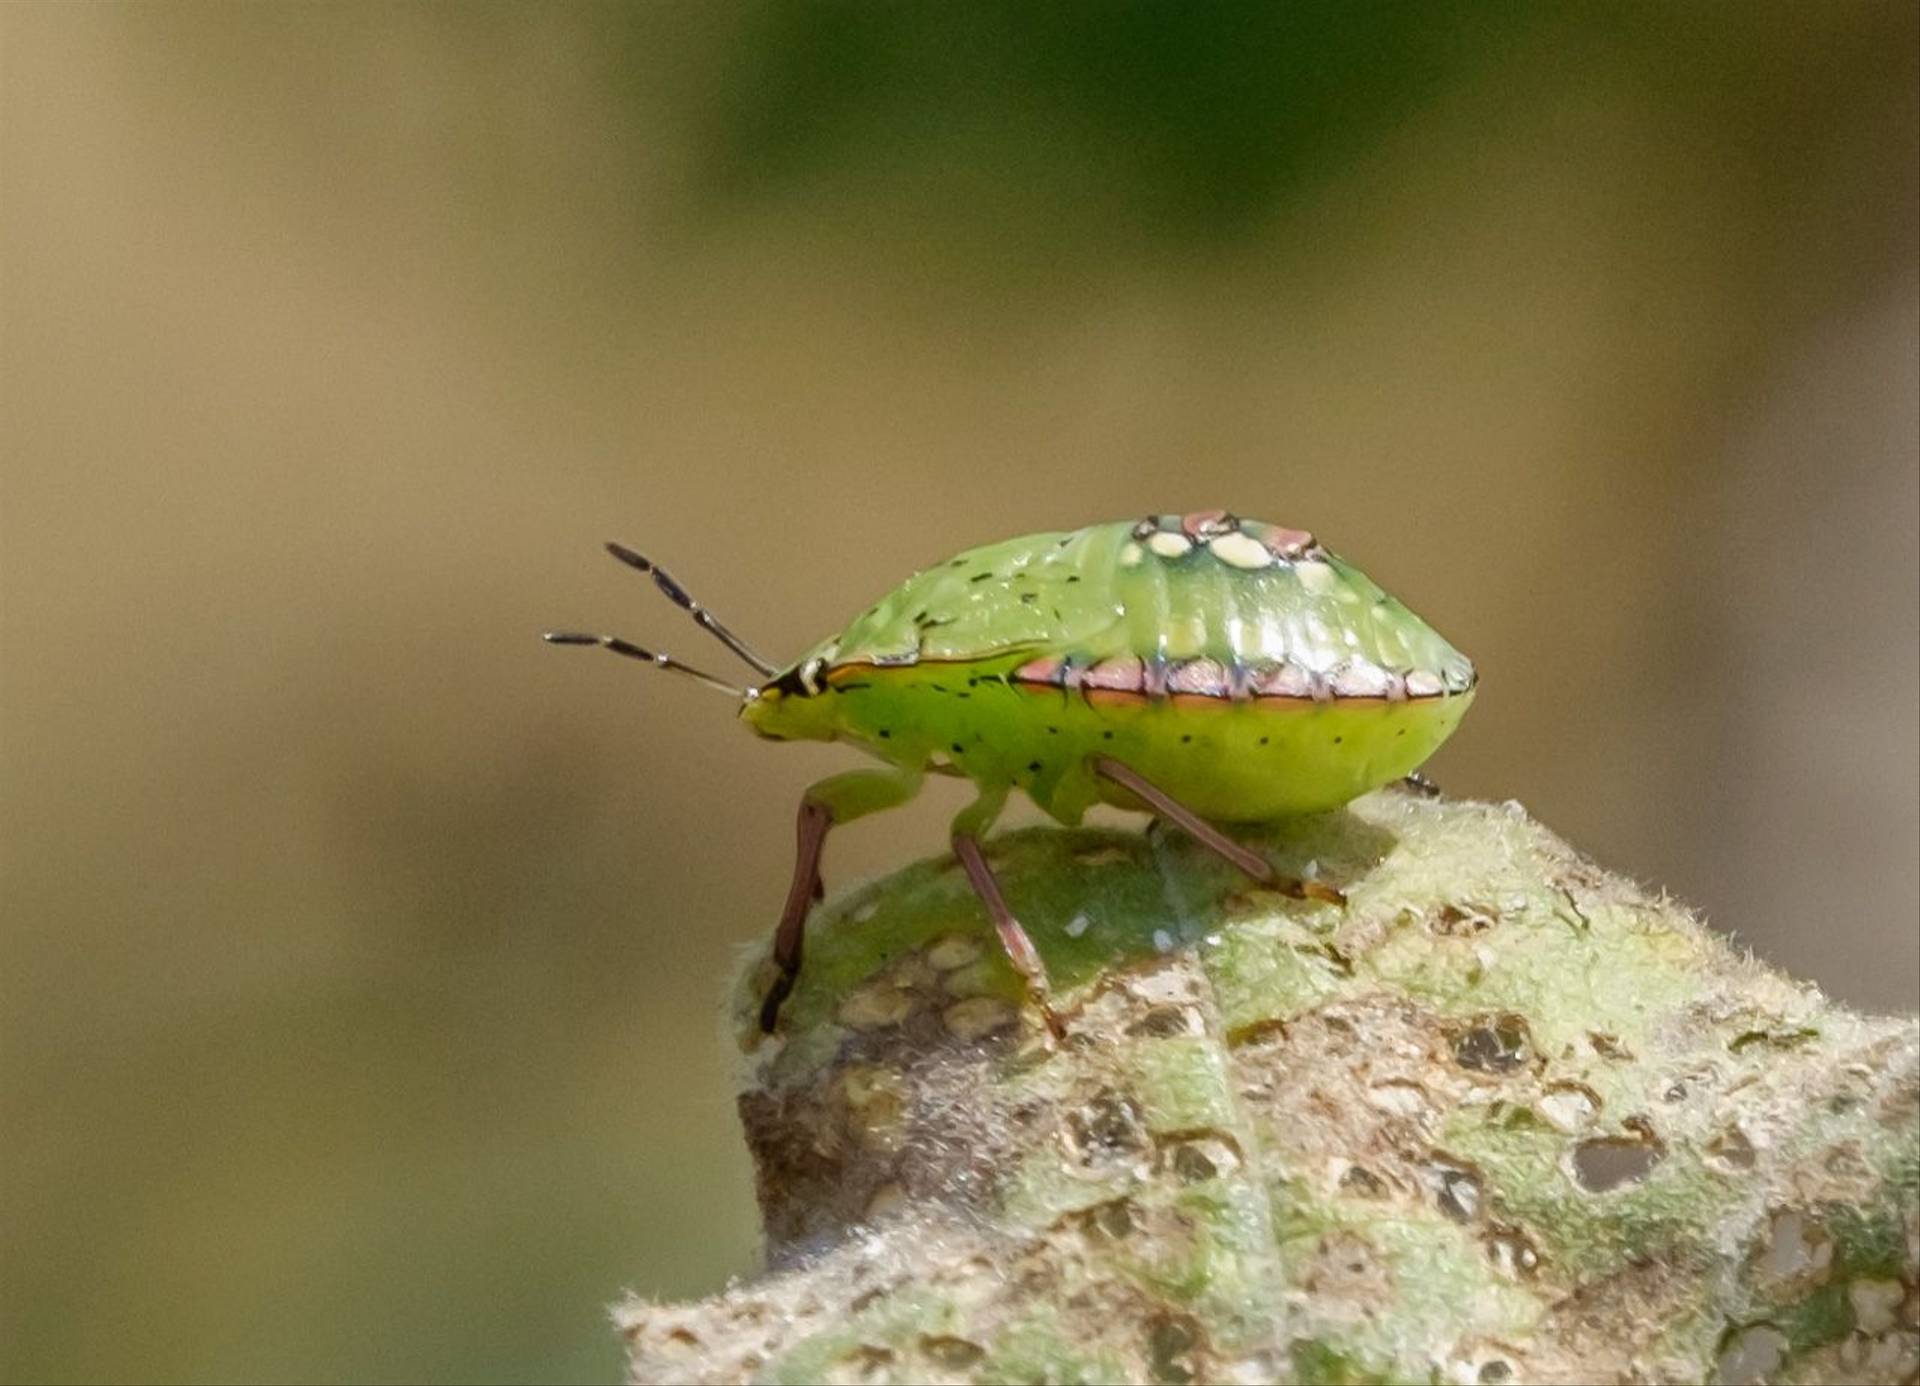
(969,826)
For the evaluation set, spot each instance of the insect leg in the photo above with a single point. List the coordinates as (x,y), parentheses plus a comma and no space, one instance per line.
(836,799)
(1209,836)
(968,827)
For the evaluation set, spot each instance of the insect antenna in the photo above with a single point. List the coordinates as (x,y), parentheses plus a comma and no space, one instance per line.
(680,597)
(633,651)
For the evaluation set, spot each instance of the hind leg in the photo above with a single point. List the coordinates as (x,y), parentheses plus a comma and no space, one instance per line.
(1208,836)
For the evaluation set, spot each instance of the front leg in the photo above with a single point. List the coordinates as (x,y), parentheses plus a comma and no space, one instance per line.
(836,799)
(1209,836)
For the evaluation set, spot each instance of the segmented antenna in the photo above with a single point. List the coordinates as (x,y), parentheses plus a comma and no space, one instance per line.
(680,597)
(633,651)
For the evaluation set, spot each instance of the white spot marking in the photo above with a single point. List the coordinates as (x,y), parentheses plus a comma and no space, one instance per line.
(1240,551)
(1168,544)
(1162,941)
(1360,678)
(1131,555)
(1423,684)
(1078,925)
(1315,577)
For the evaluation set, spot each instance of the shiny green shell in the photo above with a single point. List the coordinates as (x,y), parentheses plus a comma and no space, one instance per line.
(1238,665)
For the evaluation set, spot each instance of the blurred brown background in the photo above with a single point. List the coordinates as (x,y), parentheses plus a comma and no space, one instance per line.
(362,955)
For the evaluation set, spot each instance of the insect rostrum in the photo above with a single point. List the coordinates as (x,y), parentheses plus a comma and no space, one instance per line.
(1208,669)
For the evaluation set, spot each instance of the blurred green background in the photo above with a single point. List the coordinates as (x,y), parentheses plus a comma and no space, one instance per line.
(362,955)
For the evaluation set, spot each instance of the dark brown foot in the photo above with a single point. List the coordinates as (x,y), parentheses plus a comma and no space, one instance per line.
(776,997)
(1307,890)
(1417,783)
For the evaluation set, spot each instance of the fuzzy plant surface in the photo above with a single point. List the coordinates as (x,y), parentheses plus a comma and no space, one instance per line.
(1503,1117)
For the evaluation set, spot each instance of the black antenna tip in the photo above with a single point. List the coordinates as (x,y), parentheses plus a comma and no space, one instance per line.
(629,557)
(568,637)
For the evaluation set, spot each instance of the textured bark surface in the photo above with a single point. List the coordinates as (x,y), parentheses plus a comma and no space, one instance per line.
(1504,1117)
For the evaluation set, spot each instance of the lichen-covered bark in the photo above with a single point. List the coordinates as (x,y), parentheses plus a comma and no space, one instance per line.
(1503,1117)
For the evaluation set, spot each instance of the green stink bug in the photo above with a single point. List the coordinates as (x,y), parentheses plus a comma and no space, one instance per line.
(1207,669)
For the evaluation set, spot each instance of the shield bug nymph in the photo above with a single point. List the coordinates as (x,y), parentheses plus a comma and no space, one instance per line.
(1204,668)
